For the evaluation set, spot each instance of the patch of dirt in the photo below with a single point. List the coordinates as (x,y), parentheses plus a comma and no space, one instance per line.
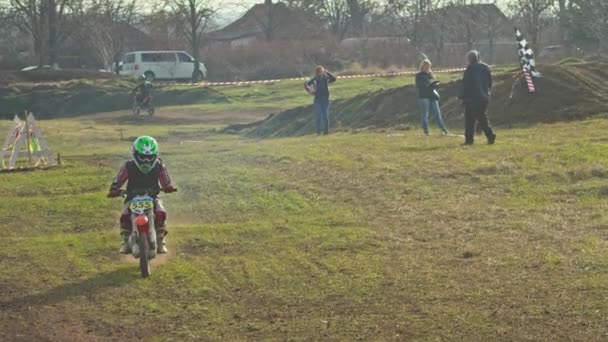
(82,97)
(177,116)
(565,92)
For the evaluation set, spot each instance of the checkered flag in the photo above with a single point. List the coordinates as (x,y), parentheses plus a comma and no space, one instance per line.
(526,55)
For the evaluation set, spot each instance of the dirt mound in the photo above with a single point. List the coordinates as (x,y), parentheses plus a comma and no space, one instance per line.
(565,92)
(62,99)
(48,75)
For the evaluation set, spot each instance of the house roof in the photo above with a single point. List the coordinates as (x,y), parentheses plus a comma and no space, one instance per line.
(276,19)
(482,16)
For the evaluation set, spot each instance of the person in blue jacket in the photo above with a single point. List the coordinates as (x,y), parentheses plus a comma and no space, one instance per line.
(318,87)
(428,97)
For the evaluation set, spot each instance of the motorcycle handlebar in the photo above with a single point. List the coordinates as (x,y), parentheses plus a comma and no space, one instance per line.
(124,193)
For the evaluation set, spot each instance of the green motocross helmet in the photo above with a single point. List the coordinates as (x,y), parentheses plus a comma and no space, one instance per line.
(145,153)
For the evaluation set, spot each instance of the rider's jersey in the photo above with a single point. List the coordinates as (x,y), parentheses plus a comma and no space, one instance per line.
(143,89)
(154,180)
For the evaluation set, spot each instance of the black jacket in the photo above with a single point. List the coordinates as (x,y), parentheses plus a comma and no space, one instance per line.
(143,181)
(321,84)
(143,89)
(425,83)
(476,84)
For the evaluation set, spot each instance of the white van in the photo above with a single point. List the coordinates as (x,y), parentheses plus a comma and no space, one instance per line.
(162,65)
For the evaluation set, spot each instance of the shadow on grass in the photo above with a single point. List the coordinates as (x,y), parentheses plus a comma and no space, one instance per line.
(145,119)
(419,148)
(88,287)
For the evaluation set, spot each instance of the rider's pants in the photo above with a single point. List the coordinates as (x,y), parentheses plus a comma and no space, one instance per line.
(160,216)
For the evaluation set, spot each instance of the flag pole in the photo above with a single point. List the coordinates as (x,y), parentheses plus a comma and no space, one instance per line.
(27,137)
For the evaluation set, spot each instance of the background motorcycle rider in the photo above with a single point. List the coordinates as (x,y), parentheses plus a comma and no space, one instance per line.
(144,171)
(142,90)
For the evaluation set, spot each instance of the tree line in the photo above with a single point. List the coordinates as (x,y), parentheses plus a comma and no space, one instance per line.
(101,23)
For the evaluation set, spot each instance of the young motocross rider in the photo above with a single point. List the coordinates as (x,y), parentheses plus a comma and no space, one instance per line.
(144,171)
(142,90)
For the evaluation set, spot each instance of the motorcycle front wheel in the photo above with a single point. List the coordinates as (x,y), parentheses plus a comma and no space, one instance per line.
(151,111)
(144,255)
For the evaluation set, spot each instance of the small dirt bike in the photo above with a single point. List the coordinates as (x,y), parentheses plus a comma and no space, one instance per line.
(146,104)
(142,241)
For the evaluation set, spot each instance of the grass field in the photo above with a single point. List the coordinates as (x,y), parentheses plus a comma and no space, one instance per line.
(369,236)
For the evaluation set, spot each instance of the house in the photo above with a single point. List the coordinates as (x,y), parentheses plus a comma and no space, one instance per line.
(468,24)
(267,21)
(448,32)
(103,48)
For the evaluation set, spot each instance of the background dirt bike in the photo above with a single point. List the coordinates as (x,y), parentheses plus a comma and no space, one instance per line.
(147,104)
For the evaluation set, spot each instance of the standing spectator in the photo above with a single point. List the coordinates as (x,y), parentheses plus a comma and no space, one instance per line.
(318,86)
(476,89)
(428,97)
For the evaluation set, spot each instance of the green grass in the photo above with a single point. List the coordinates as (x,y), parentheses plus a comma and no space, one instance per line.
(367,236)
(289,94)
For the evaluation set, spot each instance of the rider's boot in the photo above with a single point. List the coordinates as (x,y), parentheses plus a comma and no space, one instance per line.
(124,246)
(161,247)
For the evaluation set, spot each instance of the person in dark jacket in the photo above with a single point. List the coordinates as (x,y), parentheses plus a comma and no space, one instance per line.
(476,90)
(318,86)
(428,97)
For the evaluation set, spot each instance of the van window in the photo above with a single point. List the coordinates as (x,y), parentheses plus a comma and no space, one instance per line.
(158,57)
(167,57)
(129,58)
(184,57)
(149,57)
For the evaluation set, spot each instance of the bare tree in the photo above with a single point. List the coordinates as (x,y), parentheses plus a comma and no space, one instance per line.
(359,10)
(196,16)
(161,24)
(410,14)
(337,14)
(595,13)
(468,13)
(309,7)
(438,29)
(50,23)
(491,25)
(31,18)
(269,18)
(106,23)
(531,12)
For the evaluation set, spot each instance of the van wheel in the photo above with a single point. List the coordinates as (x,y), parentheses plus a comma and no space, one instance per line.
(149,75)
(199,76)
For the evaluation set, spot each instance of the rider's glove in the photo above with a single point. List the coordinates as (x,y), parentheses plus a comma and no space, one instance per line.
(169,189)
(113,193)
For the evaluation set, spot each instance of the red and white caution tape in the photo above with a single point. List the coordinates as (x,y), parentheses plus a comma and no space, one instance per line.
(388,74)
(529,81)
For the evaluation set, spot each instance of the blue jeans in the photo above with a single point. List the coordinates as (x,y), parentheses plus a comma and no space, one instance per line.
(427,105)
(322,110)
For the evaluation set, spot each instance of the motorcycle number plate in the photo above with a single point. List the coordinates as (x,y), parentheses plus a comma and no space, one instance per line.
(137,205)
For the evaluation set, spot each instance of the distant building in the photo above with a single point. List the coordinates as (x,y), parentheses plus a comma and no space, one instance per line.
(81,53)
(267,21)
(477,22)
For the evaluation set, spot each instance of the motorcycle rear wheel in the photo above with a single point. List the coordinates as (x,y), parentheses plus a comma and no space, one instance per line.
(151,111)
(144,255)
